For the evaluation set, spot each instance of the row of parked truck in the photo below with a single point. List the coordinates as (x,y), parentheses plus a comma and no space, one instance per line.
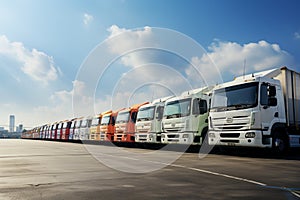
(256,110)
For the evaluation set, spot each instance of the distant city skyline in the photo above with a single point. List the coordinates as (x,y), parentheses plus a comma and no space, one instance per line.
(12,122)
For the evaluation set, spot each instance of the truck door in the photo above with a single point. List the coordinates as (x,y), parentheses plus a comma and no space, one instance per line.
(268,105)
(158,119)
(199,116)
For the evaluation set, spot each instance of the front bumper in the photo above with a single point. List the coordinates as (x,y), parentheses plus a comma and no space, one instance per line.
(148,137)
(248,138)
(178,138)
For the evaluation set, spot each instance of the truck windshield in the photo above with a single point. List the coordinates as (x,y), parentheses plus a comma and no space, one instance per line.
(105,120)
(146,114)
(122,117)
(235,97)
(95,121)
(178,108)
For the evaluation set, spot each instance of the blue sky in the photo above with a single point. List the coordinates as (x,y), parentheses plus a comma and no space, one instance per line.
(43,44)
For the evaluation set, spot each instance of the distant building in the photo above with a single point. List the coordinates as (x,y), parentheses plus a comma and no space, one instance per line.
(11,123)
(19,128)
(4,132)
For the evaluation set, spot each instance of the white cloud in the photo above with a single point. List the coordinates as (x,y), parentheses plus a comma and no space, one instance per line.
(134,40)
(229,58)
(87,18)
(36,64)
(297,35)
(145,80)
(147,76)
(78,101)
(152,72)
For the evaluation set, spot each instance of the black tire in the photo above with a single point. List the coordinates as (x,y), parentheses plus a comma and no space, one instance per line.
(280,144)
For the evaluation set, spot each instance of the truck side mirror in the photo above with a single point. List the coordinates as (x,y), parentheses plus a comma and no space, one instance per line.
(271,91)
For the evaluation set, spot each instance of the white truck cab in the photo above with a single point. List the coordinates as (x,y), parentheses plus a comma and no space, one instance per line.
(148,127)
(84,130)
(257,110)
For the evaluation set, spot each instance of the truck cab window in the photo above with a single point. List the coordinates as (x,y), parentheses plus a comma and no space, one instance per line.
(133,116)
(159,112)
(203,106)
(196,107)
(113,120)
(199,106)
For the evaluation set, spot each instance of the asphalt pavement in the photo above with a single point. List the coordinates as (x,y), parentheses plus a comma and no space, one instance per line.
(35,169)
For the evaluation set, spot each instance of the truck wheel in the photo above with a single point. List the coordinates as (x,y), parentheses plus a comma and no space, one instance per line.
(279,143)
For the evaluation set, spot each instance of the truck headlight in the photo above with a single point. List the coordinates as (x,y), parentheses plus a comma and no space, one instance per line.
(185,136)
(163,136)
(250,135)
(212,135)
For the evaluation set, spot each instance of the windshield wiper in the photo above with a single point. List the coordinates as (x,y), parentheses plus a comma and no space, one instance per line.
(242,106)
(144,119)
(174,116)
(221,108)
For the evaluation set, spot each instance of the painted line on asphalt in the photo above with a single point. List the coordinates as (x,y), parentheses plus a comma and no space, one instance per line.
(292,191)
(296,194)
(217,174)
(211,173)
(227,176)
(189,168)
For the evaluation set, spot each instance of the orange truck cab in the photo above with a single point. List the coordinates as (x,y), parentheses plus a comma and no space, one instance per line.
(107,126)
(95,126)
(125,124)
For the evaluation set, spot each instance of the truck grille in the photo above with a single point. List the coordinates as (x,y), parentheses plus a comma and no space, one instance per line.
(233,123)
